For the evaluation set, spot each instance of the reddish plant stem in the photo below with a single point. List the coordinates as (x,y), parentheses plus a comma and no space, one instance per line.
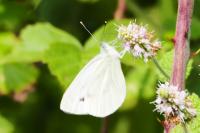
(181,41)
(181,46)
(119,13)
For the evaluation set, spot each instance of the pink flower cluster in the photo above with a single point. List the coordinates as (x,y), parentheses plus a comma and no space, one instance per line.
(138,41)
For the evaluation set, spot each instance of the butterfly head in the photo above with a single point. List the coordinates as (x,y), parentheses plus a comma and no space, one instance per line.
(107,49)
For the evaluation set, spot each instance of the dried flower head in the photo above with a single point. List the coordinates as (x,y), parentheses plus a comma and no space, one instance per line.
(173,103)
(138,40)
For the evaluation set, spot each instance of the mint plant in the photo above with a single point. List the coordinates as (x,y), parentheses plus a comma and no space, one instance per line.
(43,47)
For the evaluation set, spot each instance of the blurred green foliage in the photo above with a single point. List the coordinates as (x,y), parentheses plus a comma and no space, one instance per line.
(43,46)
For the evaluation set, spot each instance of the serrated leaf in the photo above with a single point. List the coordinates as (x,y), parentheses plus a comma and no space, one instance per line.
(63,60)
(16,76)
(5,125)
(194,125)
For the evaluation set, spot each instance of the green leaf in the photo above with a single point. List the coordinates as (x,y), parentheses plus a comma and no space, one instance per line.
(7,42)
(16,77)
(166,61)
(149,83)
(5,125)
(63,60)
(140,83)
(189,68)
(194,125)
(132,88)
(36,39)
(3,89)
(39,43)
(195,28)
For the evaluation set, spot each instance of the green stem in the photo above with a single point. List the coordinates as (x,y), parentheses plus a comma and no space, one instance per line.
(160,68)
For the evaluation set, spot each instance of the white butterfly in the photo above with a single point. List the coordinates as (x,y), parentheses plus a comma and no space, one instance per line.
(99,89)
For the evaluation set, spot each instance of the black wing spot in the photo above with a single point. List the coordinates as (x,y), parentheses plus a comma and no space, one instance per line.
(82,99)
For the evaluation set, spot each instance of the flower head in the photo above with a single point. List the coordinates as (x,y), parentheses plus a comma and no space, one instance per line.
(138,40)
(173,103)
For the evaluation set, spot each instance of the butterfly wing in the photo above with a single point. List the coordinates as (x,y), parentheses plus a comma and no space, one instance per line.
(99,89)
(110,90)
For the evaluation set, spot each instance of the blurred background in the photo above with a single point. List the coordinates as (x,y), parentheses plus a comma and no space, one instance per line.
(43,46)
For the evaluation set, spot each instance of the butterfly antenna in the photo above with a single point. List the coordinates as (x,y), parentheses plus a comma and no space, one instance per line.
(104,30)
(88,31)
